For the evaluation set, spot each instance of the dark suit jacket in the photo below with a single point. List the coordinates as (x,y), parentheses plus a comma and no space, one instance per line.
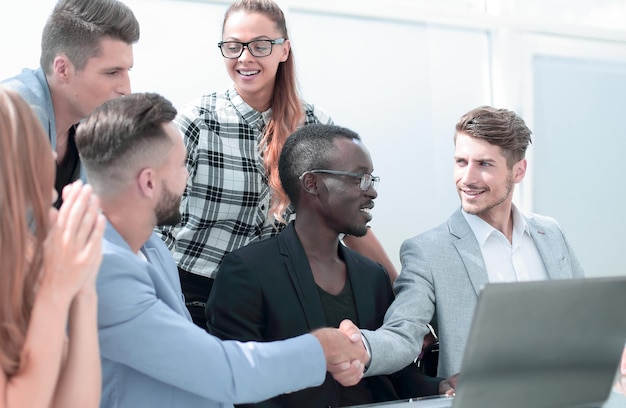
(266,291)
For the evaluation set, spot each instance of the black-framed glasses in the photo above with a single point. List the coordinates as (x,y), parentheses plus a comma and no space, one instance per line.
(365,180)
(258,48)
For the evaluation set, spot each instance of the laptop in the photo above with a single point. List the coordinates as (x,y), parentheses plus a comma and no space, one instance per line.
(551,344)
(541,344)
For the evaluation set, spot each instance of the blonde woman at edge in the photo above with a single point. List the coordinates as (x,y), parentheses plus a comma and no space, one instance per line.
(48,305)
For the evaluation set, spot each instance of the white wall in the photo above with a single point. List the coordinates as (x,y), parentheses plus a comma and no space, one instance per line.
(401,73)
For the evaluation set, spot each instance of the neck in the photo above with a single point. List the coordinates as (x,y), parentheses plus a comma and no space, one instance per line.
(321,247)
(63,118)
(259,101)
(132,224)
(502,220)
(316,240)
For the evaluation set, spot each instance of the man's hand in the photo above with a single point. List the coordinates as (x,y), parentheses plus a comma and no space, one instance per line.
(620,384)
(429,340)
(448,386)
(345,353)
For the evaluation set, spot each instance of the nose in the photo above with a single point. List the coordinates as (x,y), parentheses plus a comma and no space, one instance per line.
(245,54)
(468,174)
(123,87)
(371,192)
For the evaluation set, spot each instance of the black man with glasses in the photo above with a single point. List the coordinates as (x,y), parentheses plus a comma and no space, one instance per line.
(233,139)
(305,277)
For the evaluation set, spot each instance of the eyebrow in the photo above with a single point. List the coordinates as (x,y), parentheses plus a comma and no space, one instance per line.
(260,37)
(116,68)
(480,159)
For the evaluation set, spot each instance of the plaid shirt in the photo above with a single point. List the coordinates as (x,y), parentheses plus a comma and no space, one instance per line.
(225,204)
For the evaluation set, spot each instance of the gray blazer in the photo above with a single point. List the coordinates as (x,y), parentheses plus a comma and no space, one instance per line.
(154,356)
(442,274)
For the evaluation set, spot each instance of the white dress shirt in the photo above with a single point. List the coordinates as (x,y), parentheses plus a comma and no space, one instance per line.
(507,261)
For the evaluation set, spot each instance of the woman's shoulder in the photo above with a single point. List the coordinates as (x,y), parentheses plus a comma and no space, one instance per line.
(316,114)
(205,103)
(208,110)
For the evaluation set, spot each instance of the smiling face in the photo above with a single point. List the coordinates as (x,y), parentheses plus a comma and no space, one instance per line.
(103,77)
(254,77)
(483,180)
(346,207)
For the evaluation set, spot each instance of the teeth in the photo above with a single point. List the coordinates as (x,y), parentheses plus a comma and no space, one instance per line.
(365,210)
(248,73)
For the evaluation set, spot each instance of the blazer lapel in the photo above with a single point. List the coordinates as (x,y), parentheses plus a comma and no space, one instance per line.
(155,259)
(361,288)
(550,249)
(299,270)
(469,251)
(161,260)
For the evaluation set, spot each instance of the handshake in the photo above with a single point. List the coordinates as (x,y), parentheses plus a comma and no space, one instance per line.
(346,357)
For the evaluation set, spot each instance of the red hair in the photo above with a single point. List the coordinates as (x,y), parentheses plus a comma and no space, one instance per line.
(287,111)
(26,185)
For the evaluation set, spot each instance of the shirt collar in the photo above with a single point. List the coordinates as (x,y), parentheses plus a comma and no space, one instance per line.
(253,117)
(520,227)
(482,229)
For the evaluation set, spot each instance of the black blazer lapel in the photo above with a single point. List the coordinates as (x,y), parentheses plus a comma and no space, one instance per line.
(297,265)
(362,288)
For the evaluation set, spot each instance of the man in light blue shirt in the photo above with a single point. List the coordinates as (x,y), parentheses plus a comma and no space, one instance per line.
(153,355)
(86,53)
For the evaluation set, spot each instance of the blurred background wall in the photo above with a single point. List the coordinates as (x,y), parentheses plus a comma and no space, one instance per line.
(401,72)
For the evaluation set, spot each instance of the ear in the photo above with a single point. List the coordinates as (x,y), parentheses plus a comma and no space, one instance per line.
(62,68)
(519,170)
(286,50)
(309,183)
(146,183)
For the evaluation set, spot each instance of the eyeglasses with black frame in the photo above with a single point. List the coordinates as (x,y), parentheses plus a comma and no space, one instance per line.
(365,180)
(258,48)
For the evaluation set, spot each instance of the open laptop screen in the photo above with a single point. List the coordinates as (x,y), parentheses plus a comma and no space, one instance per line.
(544,344)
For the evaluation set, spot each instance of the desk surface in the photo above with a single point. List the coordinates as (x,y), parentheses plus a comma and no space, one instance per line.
(615,400)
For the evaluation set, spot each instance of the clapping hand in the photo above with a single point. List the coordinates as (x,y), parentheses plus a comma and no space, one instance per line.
(73,247)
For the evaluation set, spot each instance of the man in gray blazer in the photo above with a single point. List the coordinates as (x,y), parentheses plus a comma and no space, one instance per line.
(152,354)
(487,240)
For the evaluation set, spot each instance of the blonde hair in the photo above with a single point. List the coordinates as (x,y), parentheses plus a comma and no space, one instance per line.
(26,183)
(287,110)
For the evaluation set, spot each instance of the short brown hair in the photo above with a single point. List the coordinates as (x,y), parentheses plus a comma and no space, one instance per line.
(111,138)
(76,28)
(500,127)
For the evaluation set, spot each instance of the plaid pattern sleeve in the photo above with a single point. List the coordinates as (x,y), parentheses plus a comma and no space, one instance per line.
(225,204)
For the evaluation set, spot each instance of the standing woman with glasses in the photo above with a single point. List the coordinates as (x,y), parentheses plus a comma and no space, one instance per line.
(234,138)
(49,350)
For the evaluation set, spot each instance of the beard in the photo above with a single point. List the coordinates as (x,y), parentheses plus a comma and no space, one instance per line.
(489,206)
(167,211)
(356,231)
